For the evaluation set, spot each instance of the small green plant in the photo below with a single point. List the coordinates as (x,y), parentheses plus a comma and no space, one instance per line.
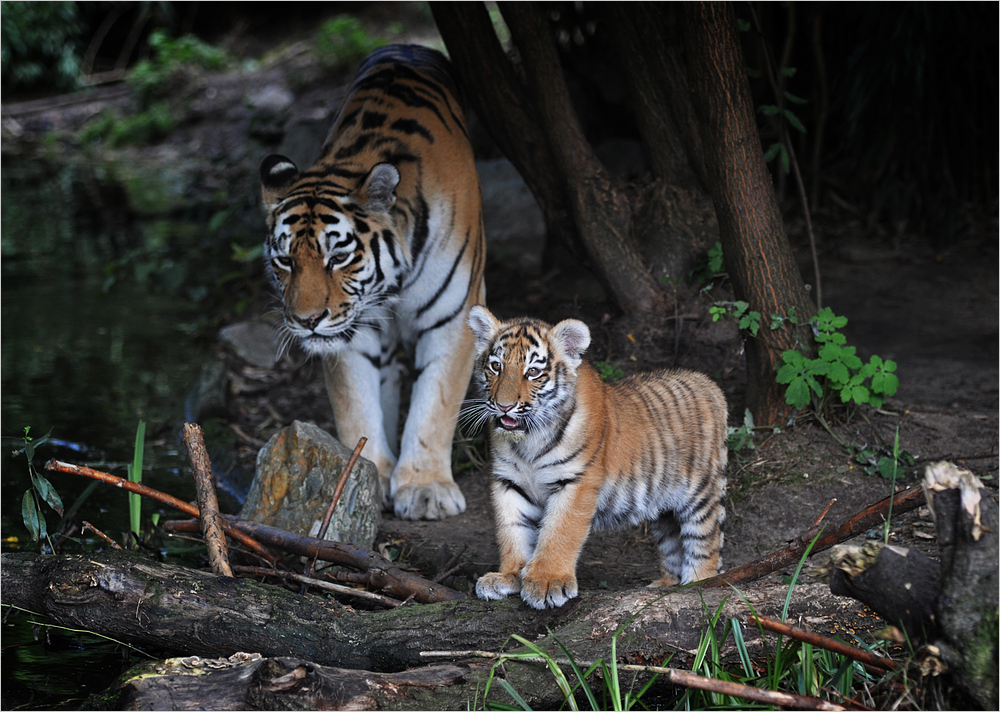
(711,267)
(742,437)
(837,372)
(343,41)
(738,311)
(41,490)
(143,128)
(608,371)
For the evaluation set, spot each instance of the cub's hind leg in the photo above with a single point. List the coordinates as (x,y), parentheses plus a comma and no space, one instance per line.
(690,542)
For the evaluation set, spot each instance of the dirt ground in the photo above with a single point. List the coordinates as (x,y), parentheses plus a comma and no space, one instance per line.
(944,340)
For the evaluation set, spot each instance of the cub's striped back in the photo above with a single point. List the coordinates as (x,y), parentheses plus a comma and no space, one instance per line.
(571,453)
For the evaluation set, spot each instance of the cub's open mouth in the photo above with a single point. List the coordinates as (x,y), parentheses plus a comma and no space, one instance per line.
(508,422)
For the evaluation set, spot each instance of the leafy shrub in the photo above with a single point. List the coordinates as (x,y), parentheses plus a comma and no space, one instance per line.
(150,77)
(837,371)
(39,45)
(343,42)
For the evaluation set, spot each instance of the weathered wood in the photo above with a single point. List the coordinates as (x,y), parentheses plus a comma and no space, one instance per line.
(208,503)
(268,684)
(171,608)
(952,605)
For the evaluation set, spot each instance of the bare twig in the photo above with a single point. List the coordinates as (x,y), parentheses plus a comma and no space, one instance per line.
(822,514)
(340,487)
(320,583)
(862,521)
(208,503)
(820,641)
(675,676)
(170,500)
(111,542)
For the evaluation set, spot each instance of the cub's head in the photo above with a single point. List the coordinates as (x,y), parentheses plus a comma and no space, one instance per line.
(526,371)
(332,250)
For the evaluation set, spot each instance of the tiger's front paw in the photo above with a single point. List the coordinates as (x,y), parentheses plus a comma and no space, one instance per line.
(435,500)
(551,592)
(494,586)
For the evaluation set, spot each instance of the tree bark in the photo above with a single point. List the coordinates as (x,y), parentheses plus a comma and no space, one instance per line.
(755,249)
(566,177)
(171,608)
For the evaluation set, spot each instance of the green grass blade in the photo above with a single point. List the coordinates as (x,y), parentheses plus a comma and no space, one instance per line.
(135,475)
(580,676)
(513,693)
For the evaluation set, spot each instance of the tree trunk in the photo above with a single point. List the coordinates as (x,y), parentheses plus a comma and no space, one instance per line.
(171,608)
(755,249)
(566,177)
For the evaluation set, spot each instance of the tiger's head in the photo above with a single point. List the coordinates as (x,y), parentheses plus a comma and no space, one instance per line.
(526,371)
(332,251)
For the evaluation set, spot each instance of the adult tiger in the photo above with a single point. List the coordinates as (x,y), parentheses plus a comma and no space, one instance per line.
(380,246)
(571,453)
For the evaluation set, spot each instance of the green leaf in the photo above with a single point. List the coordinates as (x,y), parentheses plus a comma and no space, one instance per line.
(795,99)
(743,25)
(48,492)
(794,121)
(29,512)
(753,73)
(797,394)
(785,165)
(772,151)
(770,110)
(788,71)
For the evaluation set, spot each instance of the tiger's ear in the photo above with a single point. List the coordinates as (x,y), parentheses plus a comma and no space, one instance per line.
(277,173)
(379,190)
(571,337)
(484,326)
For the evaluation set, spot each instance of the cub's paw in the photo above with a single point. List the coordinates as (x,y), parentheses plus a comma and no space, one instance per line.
(552,592)
(435,500)
(494,586)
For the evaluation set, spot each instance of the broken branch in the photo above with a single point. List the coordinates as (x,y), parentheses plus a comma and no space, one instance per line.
(208,503)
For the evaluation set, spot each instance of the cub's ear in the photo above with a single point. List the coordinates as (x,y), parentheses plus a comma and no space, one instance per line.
(484,326)
(571,337)
(277,173)
(379,190)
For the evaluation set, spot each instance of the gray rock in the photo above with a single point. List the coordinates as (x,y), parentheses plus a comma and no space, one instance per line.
(297,473)
(255,342)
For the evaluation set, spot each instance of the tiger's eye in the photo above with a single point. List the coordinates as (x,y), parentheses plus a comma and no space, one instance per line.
(533,372)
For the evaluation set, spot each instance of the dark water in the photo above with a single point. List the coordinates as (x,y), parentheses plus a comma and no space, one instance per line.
(90,344)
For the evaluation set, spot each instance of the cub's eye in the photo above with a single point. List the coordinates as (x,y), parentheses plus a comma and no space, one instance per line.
(533,372)
(282,261)
(495,366)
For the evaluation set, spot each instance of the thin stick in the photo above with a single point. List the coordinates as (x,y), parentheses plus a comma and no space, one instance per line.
(868,517)
(822,514)
(319,583)
(820,641)
(340,487)
(328,517)
(111,542)
(169,500)
(675,676)
(208,503)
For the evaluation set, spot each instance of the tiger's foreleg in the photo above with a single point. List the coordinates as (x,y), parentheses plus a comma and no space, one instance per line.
(422,484)
(517,531)
(549,578)
(353,384)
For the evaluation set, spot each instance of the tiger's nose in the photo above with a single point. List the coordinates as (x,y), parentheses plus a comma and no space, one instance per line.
(311,322)
(505,407)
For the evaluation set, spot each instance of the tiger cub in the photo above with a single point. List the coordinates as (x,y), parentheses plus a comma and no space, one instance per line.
(379,247)
(571,453)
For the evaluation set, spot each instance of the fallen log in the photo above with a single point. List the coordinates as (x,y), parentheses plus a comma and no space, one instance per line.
(254,683)
(171,608)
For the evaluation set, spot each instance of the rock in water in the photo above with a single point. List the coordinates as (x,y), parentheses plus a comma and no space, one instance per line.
(297,473)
